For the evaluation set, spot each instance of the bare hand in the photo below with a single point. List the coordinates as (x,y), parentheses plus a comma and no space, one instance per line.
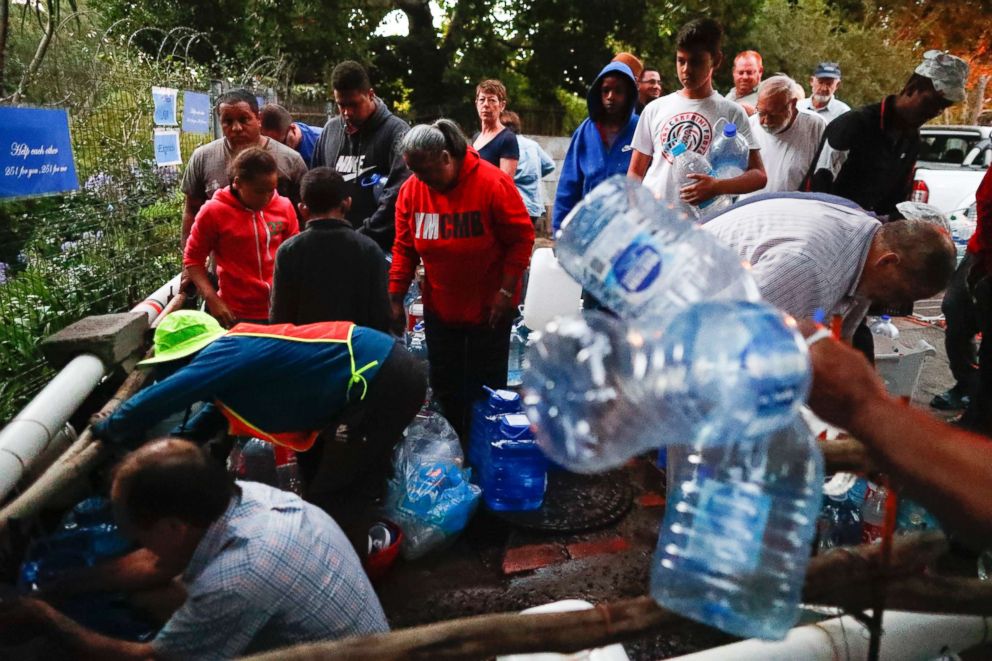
(220,311)
(843,381)
(704,189)
(398,315)
(501,311)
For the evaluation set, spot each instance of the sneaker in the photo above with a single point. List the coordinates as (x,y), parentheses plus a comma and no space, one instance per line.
(952,400)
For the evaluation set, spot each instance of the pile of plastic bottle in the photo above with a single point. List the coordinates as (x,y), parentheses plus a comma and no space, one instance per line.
(697,364)
(86,536)
(728,156)
(508,463)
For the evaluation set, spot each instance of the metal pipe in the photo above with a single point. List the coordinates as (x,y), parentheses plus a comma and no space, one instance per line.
(31,431)
(907,636)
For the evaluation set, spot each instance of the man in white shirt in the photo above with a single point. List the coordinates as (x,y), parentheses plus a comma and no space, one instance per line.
(748,69)
(823,85)
(689,116)
(788,138)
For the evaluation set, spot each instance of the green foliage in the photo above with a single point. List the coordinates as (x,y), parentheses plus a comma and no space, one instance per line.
(575,107)
(874,61)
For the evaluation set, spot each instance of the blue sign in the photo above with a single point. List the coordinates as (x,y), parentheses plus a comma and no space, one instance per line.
(35,152)
(167,148)
(165,106)
(196,112)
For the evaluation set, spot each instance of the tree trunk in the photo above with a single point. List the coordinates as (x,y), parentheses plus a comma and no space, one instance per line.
(40,52)
(977,101)
(4,31)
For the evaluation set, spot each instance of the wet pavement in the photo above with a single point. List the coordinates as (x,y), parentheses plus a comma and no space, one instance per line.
(495,567)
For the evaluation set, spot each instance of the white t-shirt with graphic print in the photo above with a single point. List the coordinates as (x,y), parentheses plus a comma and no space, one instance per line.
(692,121)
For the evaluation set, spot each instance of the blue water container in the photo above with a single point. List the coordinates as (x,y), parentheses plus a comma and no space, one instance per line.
(485,414)
(515,475)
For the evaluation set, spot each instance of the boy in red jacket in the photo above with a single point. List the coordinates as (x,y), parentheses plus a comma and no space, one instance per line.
(466,220)
(243,225)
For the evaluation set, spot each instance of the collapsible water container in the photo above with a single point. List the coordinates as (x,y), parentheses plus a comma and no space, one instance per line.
(551,292)
(515,472)
(485,420)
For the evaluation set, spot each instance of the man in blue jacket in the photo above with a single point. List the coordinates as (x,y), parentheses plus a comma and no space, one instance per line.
(600,147)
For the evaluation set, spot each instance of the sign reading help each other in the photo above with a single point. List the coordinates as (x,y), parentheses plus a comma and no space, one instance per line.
(35,152)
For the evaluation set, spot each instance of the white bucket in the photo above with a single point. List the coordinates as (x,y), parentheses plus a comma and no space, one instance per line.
(551,292)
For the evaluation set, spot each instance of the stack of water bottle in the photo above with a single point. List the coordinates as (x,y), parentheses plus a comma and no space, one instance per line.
(698,364)
(414,337)
(853,513)
(508,463)
(728,156)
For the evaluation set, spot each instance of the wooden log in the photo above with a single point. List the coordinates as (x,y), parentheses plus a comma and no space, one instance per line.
(845,455)
(832,579)
(924,594)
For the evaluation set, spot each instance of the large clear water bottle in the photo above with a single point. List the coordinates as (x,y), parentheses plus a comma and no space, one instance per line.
(736,538)
(688,162)
(729,153)
(485,421)
(515,474)
(518,344)
(601,391)
(883,327)
(645,261)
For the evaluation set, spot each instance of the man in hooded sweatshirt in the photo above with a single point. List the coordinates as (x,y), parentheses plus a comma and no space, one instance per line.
(600,147)
(361,143)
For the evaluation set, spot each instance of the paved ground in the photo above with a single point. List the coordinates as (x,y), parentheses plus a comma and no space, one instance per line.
(493,568)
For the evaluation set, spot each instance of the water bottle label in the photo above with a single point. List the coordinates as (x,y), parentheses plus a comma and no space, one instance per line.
(728,526)
(637,267)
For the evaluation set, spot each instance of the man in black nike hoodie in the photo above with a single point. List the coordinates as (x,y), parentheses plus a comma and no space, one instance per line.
(362,144)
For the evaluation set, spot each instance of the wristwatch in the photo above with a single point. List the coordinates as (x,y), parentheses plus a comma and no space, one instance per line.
(506,292)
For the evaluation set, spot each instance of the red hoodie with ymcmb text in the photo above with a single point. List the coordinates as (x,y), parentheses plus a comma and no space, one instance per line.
(244,243)
(468,238)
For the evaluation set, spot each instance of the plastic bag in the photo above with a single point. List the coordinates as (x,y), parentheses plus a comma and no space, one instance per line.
(431,496)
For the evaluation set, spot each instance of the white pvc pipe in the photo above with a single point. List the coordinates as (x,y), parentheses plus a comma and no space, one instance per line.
(907,636)
(154,304)
(30,432)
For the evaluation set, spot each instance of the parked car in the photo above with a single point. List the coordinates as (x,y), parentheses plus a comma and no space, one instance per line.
(952,162)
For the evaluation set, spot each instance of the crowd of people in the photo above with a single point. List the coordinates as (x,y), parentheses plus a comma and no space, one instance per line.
(303,243)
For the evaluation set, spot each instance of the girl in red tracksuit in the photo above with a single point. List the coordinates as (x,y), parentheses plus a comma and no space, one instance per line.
(242,225)
(466,220)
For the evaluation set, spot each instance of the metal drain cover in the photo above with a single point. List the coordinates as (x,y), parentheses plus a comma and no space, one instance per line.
(574,503)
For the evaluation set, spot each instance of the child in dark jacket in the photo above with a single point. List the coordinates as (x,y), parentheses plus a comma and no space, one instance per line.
(329,272)
(242,225)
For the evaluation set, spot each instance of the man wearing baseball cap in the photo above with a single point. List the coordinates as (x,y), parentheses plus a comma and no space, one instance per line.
(823,85)
(280,383)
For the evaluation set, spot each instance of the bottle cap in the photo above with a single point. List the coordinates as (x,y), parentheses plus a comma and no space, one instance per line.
(729,130)
(678,148)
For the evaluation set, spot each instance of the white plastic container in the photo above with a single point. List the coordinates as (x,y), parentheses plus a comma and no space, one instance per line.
(611,653)
(551,292)
(900,365)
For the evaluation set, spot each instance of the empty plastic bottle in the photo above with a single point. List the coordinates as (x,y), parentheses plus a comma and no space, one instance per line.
(688,162)
(515,473)
(883,327)
(873,515)
(485,422)
(839,523)
(416,341)
(644,261)
(729,153)
(518,343)
(735,541)
(601,391)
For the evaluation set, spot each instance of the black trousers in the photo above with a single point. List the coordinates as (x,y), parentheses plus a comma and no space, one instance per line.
(962,325)
(375,426)
(462,360)
(978,415)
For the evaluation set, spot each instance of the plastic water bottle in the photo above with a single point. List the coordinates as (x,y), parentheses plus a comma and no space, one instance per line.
(518,343)
(729,153)
(415,340)
(485,422)
(644,261)
(601,391)
(735,541)
(839,523)
(883,327)
(912,517)
(515,474)
(414,309)
(287,470)
(688,162)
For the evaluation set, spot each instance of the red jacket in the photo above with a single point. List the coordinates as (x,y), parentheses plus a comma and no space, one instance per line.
(980,243)
(468,238)
(244,243)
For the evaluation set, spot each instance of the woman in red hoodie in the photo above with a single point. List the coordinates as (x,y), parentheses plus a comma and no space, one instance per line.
(242,225)
(466,220)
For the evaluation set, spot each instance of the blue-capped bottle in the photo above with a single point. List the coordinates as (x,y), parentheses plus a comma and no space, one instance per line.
(601,391)
(645,261)
(485,421)
(735,541)
(515,474)
(518,344)
(729,153)
(687,162)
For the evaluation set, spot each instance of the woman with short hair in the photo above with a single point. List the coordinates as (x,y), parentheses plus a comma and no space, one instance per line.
(495,143)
